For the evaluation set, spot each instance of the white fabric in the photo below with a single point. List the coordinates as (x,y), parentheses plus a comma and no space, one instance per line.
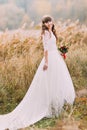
(47,93)
(49,42)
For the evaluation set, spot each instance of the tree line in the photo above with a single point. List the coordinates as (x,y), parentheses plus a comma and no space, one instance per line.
(16,12)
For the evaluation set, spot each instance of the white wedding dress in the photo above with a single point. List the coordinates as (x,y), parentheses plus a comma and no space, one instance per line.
(48,92)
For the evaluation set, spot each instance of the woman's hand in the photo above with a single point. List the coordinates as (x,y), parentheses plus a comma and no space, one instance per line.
(45,67)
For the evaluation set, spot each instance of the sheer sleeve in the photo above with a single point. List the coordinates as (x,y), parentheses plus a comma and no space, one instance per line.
(46,38)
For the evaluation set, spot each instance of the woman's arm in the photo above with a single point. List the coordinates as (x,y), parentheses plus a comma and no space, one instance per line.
(46,57)
(46,60)
(45,44)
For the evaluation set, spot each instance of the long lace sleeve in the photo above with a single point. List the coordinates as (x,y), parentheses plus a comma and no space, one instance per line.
(46,38)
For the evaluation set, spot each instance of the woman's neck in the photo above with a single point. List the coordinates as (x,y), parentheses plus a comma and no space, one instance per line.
(50,29)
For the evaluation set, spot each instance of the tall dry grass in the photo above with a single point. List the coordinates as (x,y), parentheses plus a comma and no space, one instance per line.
(74,35)
(21,52)
(19,60)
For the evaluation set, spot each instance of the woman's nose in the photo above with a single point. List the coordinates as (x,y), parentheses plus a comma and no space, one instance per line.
(49,23)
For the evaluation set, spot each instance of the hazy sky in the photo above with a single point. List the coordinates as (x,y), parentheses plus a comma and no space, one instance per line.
(57,8)
(14,12)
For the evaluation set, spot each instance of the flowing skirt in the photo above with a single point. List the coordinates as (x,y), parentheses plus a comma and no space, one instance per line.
(48,92)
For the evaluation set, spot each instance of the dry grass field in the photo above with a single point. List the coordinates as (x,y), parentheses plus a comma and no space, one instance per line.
(20,54)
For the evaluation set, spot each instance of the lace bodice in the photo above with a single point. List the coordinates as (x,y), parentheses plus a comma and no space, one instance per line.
(49,41)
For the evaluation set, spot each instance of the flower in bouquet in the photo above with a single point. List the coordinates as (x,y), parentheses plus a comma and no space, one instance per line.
(63,49)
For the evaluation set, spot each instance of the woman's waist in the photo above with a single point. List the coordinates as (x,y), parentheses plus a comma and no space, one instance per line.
(52,49)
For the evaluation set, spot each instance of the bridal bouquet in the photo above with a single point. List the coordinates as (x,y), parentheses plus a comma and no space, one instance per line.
(63,49)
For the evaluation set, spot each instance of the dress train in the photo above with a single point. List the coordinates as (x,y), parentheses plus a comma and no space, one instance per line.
(46,96)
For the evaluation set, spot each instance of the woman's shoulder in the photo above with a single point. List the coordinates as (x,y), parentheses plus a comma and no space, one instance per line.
(46,33)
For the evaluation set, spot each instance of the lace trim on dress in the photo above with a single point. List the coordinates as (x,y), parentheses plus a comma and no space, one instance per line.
(46,38)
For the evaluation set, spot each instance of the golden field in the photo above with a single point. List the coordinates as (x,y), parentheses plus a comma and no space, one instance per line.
(20,54)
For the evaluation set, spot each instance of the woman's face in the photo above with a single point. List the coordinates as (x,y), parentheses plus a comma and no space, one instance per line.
(49,24)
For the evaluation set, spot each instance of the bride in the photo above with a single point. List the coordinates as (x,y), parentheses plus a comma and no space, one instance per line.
(51,86)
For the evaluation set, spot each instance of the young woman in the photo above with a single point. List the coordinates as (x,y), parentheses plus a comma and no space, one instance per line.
(51,86)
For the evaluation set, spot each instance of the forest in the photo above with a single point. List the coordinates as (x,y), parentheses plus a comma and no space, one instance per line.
(14,13)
